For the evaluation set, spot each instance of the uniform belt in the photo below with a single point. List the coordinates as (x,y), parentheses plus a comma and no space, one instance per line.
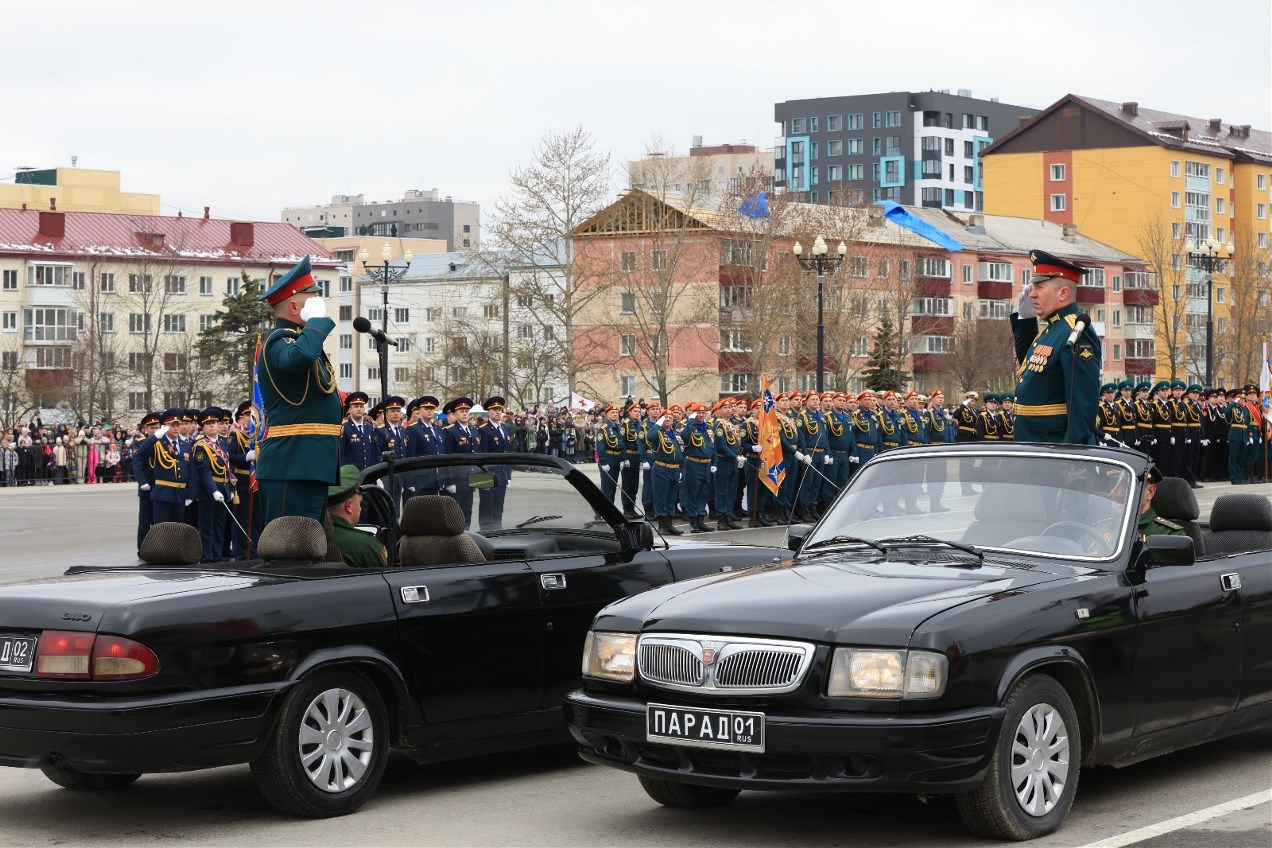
(220,479)
(832,450)
(302,430)
(892,444)
(819,450)
(699,459)
(864,445)
(170,484)
(972,429)
(242,471)
(1043,409)
(1230,426)
(1162,426)
(990,438)
(666,464)
(632,452)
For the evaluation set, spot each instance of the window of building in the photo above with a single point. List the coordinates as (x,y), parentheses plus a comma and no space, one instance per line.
(346,341)
(78,280)
(892,119)
(402,315)
(139,362)
(1219,175)
(138,401)
(784,346)
(1093,278)
(967,274)
(814,179)
(1174,167)
(934,306)
(1174,200)
(1219,205)
(1117,352)
(174,323)
(10,322)
(401,375)
(932,344)
(1259,178)
(346,284)
(346,370)
(834,123)
(205,286)
(346,313)
(876,120)
(797,126)
(49,274)
(1221,295)
(233,284)
(627,261)
(857,122)
(50,324)
(627,303)
(459,312)
(174,362)
(627,386)
(861,346)
(174,284)
(490,310)
(1057,202)
(995,309)
(1117,283)
(1197,169)
(10,280)
(430,344)
(996,272)
(206,322)
(373,373)
(433,313)
(933,266)
(1057,173)
(876,148)
(735,297)
(658,258)
(1176,230)
(732,382)
(627,345)
(1260,210)
(834,148)
(525,331)
(1262,240)
(1140,349)
(856,172)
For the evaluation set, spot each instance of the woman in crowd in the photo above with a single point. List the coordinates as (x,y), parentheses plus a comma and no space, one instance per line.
(92,455)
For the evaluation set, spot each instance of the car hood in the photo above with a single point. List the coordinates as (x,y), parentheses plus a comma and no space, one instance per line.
(78,601)
(819,599)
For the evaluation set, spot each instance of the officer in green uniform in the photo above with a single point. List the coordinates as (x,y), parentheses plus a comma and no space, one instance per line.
(1149,522)
(299,458)
(344,505)
(1059,366)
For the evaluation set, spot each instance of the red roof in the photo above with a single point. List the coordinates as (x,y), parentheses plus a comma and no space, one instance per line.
(107,235)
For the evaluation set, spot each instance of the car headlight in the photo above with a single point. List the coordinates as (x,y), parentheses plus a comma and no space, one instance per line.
(610,656)
(869,673)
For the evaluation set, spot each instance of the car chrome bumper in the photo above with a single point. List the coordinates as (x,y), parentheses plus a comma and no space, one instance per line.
(946,752)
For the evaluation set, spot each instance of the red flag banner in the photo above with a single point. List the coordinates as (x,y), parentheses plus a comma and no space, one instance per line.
(772,465)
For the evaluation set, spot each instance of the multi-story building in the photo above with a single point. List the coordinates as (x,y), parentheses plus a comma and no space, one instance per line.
(707,175)
(1150,183)
(917,148)
(419,214)
(691,304)
(74,190)
(100,313)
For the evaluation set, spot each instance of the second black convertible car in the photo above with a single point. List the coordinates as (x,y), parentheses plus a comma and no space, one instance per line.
(311,671)
(988,650)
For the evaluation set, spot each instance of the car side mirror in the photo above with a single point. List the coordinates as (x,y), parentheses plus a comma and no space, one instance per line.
(481,480)
(645,534)
(796,534)
(1167,550)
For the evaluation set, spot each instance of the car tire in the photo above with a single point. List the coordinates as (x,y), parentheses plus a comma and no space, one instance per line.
(1033,774)
(686,795)
(327,752)
(69,777)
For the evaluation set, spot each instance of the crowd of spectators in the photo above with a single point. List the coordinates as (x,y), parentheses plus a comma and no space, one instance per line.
(555,431)
(39,454)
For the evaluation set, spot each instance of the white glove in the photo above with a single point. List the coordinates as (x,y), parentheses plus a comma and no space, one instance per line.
(854,460)
(605,468)
(145,487)
(1172,440)
(713,469)
(741,462)
(1205,443)
(250,456)
(799,456)
(315,307)
(625,464)
(1188,441)
(451,488)
(757,449)
(661,420)
(644,466)
(1024,306)
(218,497)
(161,432)
(805,458)
(188,502)
(828,460)
(680,477)
(410,488)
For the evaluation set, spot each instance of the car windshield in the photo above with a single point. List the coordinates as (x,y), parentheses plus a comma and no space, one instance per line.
(1043,505)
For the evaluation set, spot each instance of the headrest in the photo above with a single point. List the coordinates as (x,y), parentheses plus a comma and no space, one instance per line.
(171,543)
(1241,512)
(432,515)
(1009,501)
(292,537)
(1174,498)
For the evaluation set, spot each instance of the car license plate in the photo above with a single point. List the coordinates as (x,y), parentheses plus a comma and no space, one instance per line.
(16,653)
(702,728)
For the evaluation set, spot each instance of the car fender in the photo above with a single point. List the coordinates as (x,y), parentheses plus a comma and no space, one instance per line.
(1077,673)
(375,664)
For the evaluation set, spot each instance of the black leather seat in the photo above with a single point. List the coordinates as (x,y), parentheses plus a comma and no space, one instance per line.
(1239,523)
(1174,500)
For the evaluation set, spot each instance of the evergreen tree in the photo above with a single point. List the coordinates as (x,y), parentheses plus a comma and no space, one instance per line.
(883,368)
(231,340)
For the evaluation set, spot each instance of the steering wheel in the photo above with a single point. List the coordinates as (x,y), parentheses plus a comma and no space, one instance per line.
(1091,539)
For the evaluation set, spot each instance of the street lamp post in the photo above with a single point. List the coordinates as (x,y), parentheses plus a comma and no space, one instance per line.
(1207,255)
(823,263)
(383,273)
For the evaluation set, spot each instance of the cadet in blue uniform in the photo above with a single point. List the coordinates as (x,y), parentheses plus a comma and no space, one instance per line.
(728,462)
(1058,382)
(941,428)
(357,434)
(609,446)
(699,449)
(665,453)
(145,481)
(759,500)
(394,437)
(213,485)
(653,411)
(427,440)
(460,437)
(242,455)
(841,447)
(300,457)
(630,432)
(812,453)
(865,428)
(494,438)
(168,467)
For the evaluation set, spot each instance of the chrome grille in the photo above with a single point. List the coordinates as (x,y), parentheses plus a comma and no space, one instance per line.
(747,668)
(670,663)
(738,665)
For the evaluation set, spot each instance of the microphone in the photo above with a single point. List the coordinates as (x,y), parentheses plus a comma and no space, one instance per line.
(1084,320)
(362,325)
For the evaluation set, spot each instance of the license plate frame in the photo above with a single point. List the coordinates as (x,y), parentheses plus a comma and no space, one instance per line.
(17,647)
(667,723)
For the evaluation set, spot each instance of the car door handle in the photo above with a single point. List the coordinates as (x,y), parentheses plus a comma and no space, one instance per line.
(552,581)
(414,594)
(1230,582)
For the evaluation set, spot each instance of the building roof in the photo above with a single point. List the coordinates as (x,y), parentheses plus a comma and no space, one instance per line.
(1010,234)
(1166,129)
(157,237)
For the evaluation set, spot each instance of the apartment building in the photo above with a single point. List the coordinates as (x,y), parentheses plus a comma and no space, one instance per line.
(419,214)
(74,190)
(708,175)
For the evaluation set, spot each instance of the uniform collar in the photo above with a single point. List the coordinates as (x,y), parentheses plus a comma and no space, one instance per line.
(1070,309)
(284,324)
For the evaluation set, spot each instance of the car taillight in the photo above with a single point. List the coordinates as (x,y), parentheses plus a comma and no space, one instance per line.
(68,655)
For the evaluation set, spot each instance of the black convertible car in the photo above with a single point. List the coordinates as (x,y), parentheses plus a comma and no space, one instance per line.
(987,649)
(311,671)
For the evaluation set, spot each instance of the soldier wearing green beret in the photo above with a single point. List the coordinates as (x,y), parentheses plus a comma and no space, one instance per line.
(344,505)
(1149,522)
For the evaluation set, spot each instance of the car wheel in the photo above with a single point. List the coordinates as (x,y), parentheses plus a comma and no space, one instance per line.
(1033,775)
(63,774)
(328,750)
(686,795)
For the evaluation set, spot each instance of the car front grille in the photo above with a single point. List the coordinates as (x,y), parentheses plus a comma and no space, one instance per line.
(733,664)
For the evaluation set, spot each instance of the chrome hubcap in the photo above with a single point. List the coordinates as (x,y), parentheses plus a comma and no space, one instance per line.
(336,740)
(1040,760)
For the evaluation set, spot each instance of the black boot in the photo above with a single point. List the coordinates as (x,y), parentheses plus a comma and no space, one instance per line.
(699,524)
(723,525)
(667,528)
(768,519)
(731,524)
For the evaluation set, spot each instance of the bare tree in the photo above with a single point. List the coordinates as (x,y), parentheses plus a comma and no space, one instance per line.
(16,400)
(1165,258)
(97,354)
(984,355)
(1239,347)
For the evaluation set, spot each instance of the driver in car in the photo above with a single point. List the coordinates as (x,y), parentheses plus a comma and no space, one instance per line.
(344,505)
(1150,524)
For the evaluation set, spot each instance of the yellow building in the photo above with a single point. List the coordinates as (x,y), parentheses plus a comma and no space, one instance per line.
(1153,183)
(74,190)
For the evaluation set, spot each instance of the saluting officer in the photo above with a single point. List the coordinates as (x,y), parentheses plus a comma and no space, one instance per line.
(965,418)
(213,485)
(699,450)
(145,480)
(665,452)
(629,431)
(460,437)
(1058,379)
(728,463)
(168,465)
(493,438)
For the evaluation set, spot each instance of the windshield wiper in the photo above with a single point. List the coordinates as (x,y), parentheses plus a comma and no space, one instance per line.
(919,537)
(536,519)
(843,540)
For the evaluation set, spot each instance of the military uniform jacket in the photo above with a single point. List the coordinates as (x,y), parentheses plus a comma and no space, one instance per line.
(698,439)
(397,439)
(1059,385)
(664,448)
(1178,419)
(1151,525)
(1144,422)
(629,431)
(460,438)
(728,442)
(989,427)
(610,441)
(1125,410)
(1238,422)
(302,408)
(1192,417)
(168,464)
(237,444)
(141,471)
(358,446)
(865,433)
(211,470)
(494,438)
(812,431)
(916,432)
(965,420)
(1108,420)
(1161,420)
(839,435)
(891,430)
(360,550)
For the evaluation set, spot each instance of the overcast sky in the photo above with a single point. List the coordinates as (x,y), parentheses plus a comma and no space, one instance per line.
(248,107)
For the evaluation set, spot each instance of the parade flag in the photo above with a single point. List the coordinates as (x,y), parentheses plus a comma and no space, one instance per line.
(772,466)
(1265,392)
(256,425)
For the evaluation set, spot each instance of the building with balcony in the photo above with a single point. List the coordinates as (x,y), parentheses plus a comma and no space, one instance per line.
(917,148)
(419,214)
(708,175)
(1149,182)
(74,190)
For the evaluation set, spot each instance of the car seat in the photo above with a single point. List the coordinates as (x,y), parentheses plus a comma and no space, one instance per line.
(432,533)
(1006,511)
(293,540)
(1174,500)
(171,543)
(1239,523)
